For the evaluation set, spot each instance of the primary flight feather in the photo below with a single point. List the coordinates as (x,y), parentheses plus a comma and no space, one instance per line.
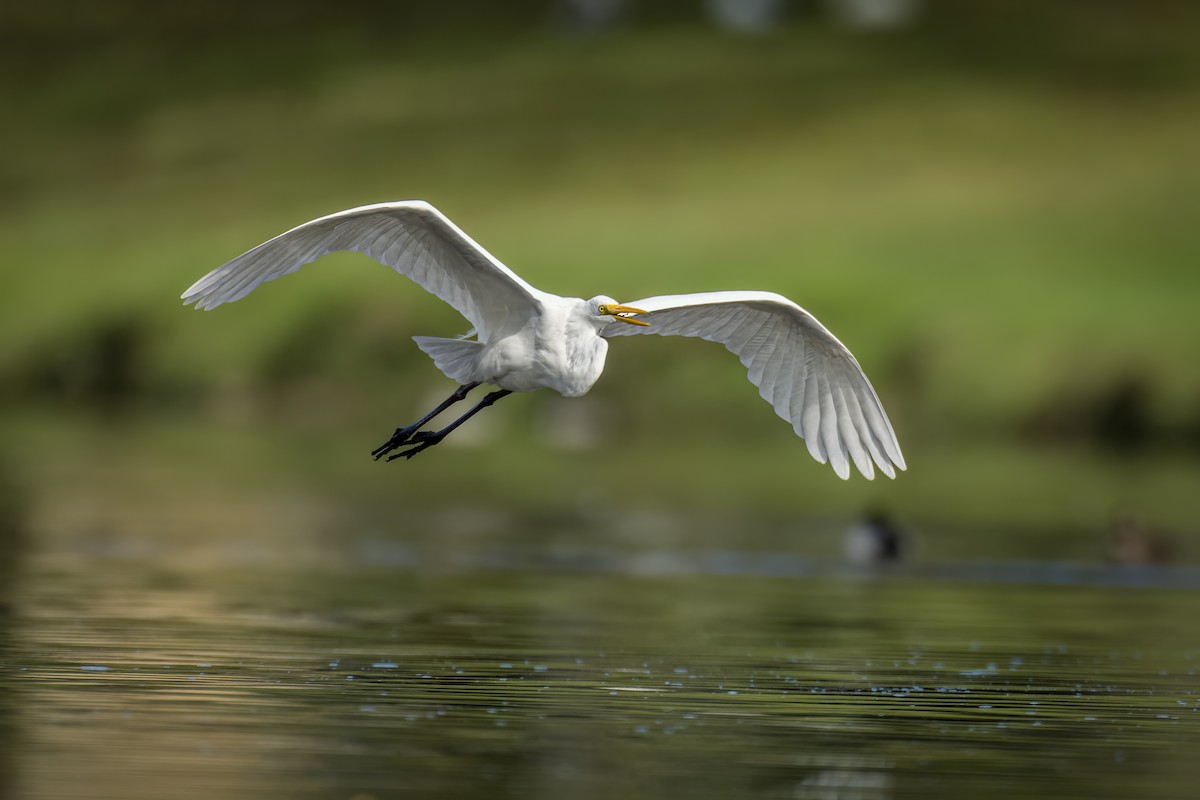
(527,339)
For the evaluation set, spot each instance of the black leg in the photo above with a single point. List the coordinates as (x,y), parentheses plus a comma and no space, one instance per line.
(402,435)
(427,439)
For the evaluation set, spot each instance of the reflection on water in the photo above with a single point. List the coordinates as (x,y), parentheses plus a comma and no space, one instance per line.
(359,667)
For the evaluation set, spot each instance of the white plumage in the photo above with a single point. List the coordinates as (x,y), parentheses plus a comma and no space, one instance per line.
(528,339)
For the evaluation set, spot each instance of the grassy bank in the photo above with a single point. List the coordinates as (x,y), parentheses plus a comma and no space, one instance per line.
(1006,242)
(1014,240)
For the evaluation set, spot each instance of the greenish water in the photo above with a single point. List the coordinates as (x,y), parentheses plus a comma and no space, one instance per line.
(273,663)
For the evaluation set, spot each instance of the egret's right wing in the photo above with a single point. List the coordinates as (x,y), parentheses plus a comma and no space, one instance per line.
(412,237)
(799,367)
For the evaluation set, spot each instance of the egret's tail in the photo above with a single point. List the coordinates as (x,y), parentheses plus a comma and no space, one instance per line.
(457,358)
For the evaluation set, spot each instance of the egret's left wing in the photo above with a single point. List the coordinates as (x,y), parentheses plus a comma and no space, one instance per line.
(799,367)
(410,236)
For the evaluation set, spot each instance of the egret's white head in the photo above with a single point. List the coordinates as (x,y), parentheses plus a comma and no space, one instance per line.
(605,310)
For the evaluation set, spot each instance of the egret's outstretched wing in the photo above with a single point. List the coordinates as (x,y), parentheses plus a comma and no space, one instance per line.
(799,367)
(412,237)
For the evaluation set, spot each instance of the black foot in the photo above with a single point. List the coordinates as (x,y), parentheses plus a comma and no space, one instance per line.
(423,441)
(400,438)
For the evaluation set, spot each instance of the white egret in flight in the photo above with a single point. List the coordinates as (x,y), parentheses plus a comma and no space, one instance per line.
(527,339)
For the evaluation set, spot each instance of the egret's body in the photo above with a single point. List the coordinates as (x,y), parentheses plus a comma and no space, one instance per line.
(559,348)
(527,339)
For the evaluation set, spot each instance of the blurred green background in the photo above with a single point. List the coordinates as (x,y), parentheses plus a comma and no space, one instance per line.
(993,204)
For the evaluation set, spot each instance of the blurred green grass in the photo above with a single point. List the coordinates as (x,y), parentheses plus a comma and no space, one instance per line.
(1001,237)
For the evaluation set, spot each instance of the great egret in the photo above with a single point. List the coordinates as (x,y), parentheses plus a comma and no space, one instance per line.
(527,339)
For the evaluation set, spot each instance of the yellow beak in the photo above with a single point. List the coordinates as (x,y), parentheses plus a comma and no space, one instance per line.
(616,310)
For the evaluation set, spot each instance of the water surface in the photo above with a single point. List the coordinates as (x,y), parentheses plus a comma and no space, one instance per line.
(357,666)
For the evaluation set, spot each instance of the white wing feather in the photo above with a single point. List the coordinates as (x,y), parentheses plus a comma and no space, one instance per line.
(799,367)
(411,237)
